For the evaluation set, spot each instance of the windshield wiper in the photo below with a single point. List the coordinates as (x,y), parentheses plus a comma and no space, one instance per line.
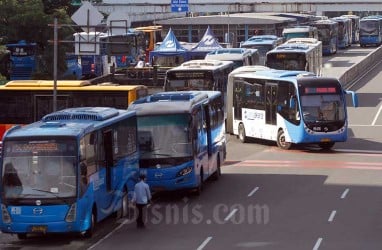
(52,193)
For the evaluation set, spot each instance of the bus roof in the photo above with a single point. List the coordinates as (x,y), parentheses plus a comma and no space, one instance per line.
(303,40)
(206,64)
(296,47)
(298,29)
(66,85)
(173,102)
(276,73)
(230,54)
(70,122)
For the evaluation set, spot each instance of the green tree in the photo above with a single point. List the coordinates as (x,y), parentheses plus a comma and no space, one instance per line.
(26,20)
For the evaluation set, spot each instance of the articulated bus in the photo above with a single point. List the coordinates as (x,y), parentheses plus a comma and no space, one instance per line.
(27,101)
(370,31)
(240,56)
(263,44)
(181,138)
(288,107)
(297,56)
(68,171)
(328,35)
(344,31)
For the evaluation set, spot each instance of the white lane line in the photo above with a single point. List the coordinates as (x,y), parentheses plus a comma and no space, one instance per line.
(230,214)
(318,243)
(332,214)
(343,196)
(109,234)
(253,191)
(205,242)
(377,115)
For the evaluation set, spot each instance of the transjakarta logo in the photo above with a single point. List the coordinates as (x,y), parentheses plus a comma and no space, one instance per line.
(208,40)
(169,44)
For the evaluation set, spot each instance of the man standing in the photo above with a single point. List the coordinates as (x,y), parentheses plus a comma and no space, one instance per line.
(142,197)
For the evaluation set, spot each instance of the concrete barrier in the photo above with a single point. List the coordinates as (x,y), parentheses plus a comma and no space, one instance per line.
(358,70)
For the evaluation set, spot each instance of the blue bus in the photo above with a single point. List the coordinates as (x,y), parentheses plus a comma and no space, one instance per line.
(328,34)
(23,59)
(68,171)
(288,107)
(370,31)
(181,138)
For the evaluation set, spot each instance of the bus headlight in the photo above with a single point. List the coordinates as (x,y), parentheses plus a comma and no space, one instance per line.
(184,171)
(5,215)
(71,215)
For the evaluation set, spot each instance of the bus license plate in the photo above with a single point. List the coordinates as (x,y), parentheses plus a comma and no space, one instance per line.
(325,140)
(39,229)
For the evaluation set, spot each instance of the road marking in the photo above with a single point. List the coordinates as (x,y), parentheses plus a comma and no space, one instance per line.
(308,164)
(205,242)
(253,191)
(230,214)
(109,234)
(318,243)
(377,115)
(343,196)
(332,214)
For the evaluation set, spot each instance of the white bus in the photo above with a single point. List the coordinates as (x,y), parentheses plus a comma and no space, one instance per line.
(288,107)
(297,55)
(240,56)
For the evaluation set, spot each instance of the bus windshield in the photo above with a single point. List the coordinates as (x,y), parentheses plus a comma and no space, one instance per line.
(39,169)
(164,137)
(369,27)
(287,61)
(322,107)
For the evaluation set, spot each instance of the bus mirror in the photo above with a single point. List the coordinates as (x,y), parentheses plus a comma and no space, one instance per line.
(354,97)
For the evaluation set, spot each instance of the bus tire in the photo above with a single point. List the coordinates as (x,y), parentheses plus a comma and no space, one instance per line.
(281,143)
(22,236)
(326,145)
(218,172)
(242,136)
(199,188)
(123,211)
(90,231)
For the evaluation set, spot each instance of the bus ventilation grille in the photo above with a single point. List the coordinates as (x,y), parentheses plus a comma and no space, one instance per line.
(89,114)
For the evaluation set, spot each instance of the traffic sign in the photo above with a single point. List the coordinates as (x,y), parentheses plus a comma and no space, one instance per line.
(87,14)
(179,5)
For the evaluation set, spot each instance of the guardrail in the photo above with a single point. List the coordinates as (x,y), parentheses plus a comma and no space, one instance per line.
(358,70)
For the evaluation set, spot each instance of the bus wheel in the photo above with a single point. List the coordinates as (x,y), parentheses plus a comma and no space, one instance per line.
(281,143)
(22,236)
(326,145)
(199,189)
(89,232)
(242,136)
(218,172)
(122,212)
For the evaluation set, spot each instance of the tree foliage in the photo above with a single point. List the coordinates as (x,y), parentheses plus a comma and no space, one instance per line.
(26,20)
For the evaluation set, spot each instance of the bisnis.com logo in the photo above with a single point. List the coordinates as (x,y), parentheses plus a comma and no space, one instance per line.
(186,213)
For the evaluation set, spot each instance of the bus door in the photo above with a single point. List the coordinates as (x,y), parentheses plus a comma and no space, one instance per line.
(108,153)
(207,129)
(270,103)
(43,104)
